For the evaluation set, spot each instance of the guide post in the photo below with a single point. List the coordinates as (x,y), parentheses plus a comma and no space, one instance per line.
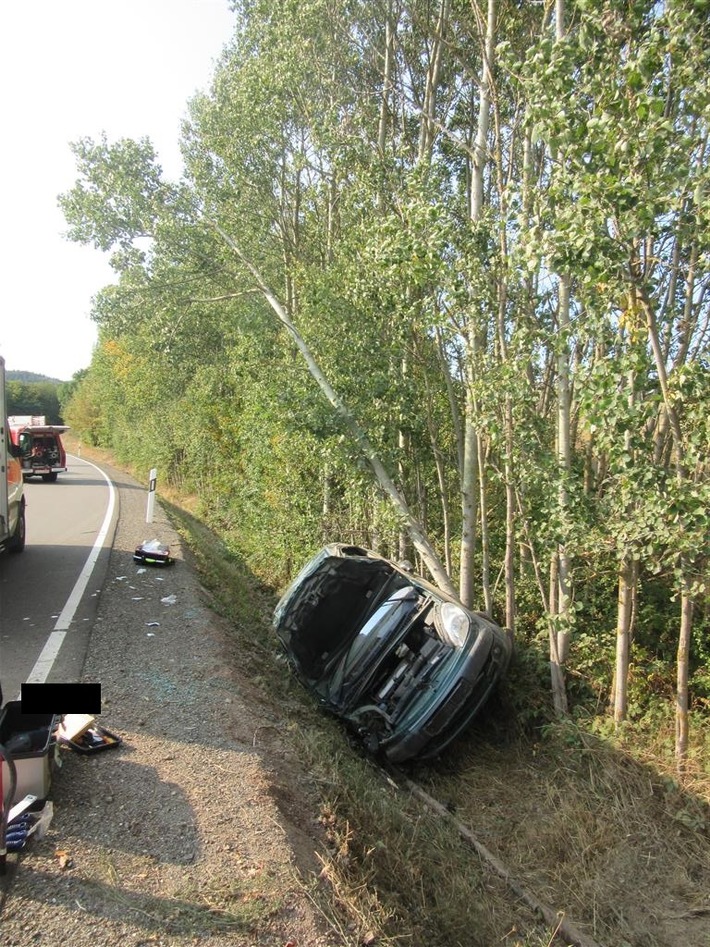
(151,495)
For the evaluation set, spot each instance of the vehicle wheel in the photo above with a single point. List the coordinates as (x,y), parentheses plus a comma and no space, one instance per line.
(17,543)
(50,477)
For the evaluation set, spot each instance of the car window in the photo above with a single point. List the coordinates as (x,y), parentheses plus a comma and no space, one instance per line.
(384,621)
(383,617)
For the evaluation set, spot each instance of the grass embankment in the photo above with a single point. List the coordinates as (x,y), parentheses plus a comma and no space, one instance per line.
(598,828)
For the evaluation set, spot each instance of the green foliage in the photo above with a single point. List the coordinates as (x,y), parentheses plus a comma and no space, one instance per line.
(35,398)
(118,196)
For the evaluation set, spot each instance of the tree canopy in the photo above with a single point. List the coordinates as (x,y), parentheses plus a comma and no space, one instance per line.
(435,280)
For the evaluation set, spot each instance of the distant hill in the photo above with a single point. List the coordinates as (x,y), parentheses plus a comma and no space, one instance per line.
(34,394)
(31,378)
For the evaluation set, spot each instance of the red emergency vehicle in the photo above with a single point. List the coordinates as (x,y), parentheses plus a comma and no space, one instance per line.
(40,445)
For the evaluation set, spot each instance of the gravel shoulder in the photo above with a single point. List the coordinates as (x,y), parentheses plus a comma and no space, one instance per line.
(201,828)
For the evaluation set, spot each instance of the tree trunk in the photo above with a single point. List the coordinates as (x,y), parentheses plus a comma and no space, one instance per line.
(686,616)
(628,572)
(627,581)
(403,452)
(440,465)
(485,529)
(564,456)
(469,509)
(386,83)
(557,673)
(682,696)
(427,128)
(562,616)
(480,148)
(470,471)
(510,538)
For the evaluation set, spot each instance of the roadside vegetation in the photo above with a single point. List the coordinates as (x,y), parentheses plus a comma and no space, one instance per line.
(593,825)
(435,281)
(30,394)
(450,301)
(592,822)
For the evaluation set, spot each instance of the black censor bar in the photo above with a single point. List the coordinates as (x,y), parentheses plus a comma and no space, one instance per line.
(60,699)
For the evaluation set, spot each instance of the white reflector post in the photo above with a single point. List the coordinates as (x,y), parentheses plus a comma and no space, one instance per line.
(151,495)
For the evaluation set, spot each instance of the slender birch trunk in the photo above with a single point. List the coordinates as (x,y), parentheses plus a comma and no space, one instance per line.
(557,674)
(686,599)
(627,581)
(485,529)
(427,128)
(470,471)
(682,726)
(386,83)
(564,615)
(469,480)
(416,531)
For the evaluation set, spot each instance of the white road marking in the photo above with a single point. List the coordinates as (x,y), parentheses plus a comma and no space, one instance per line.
(43,666)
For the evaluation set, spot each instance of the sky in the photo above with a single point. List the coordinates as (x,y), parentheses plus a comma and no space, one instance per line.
(71,69)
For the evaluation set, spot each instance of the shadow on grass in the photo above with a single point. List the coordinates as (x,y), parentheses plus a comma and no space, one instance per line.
(249,907)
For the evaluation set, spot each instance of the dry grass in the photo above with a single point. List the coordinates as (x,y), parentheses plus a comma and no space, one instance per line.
(602,832)
(607,838)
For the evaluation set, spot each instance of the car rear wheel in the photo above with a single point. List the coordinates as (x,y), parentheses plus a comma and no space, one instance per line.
(17,543)
(50,477)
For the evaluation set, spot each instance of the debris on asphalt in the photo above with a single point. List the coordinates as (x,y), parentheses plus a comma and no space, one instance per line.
(153,553)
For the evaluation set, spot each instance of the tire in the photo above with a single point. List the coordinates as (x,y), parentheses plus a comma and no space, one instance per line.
(17,543)
(50,477)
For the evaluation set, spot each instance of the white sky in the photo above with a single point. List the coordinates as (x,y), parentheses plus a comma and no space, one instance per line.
(69,69)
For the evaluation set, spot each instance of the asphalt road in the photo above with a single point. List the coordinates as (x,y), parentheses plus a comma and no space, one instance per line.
(49,592)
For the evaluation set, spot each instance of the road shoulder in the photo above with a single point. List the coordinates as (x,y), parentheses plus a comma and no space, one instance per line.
(190,832)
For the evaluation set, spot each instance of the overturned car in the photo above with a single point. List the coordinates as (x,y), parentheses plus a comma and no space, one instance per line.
(403,664)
